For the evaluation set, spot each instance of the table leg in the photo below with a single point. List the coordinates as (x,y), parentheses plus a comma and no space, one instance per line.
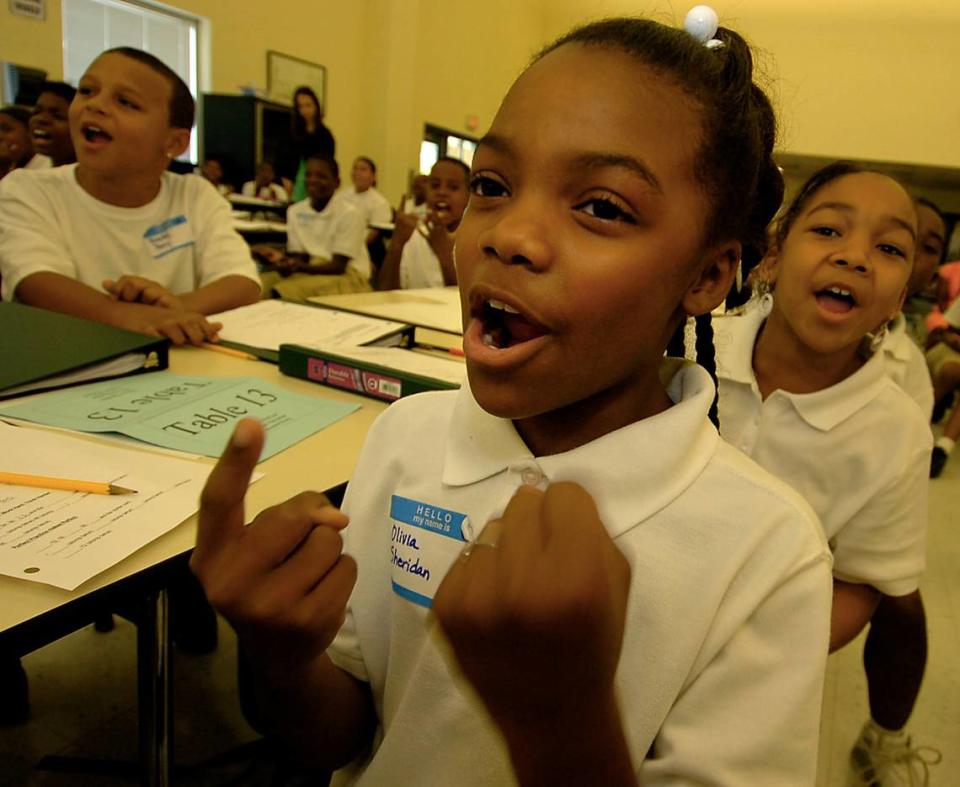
(154,666)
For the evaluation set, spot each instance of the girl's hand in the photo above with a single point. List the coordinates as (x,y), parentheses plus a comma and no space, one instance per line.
(536,621)
(282,581)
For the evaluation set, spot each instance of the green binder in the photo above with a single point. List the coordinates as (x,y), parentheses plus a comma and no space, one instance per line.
(41,349)
(340,370)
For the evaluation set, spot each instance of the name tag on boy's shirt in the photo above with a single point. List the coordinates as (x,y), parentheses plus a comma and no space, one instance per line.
(168,236)
(424,541)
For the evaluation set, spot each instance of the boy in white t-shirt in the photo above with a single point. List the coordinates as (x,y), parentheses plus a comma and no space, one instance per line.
(265,185)
(421,250)
(325,251)
(116,238)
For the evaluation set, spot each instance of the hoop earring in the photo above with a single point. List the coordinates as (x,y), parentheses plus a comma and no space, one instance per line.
(876,339)
(764,296)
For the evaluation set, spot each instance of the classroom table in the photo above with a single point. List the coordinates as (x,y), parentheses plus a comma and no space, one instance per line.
(34,614)
(437,308)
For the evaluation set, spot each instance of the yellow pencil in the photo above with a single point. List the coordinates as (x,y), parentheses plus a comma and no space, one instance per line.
(219,348)
(64,484)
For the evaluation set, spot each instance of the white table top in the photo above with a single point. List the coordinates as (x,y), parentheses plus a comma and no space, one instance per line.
(320,462)
(434,307)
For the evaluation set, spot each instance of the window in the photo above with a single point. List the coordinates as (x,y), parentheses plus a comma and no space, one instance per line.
(91,26)
(438,142)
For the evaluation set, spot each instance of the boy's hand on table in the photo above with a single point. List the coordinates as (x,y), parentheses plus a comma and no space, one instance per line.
(180,327)
(281,581)
(137,289)
(536,621)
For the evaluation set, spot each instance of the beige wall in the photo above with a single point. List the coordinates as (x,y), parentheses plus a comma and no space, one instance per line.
(848,83)
(874,80)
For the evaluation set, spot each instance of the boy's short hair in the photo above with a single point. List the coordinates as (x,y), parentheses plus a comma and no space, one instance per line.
(182,105)
(17,112)
(330,162)
(459,163)
(61,89)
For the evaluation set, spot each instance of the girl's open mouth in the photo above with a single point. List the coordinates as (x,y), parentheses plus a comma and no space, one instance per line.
(503,326)
(836,300)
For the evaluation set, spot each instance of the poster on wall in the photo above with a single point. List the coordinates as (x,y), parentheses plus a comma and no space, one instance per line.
(34,9)
(285,74)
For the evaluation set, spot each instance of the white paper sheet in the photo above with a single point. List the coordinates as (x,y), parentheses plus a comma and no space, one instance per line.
(65,538)
(268,324)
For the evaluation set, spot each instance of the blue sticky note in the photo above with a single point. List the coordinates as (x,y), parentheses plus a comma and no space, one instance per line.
(194,414)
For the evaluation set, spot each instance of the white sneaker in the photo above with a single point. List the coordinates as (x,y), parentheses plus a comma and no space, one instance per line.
(886,759)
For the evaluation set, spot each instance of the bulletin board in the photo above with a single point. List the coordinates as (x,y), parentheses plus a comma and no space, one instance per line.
(286,73)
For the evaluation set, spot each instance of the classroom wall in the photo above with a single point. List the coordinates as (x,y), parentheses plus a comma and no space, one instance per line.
(392,65)
(874,81)
(871,82)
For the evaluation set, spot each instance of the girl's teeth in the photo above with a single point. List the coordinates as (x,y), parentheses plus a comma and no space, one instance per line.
(488,340)
(502,306)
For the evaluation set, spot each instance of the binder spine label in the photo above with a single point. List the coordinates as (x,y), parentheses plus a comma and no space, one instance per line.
(352,379)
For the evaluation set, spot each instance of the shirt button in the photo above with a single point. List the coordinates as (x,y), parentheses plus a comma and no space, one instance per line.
(531,476)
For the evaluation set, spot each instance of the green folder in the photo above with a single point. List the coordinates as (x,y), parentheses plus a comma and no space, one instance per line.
(41,349)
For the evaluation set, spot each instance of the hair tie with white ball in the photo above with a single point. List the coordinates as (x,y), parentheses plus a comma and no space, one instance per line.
(702,22)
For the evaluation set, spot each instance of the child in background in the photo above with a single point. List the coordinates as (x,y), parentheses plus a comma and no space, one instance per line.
(608,200)
(212,170)
(325,251)
(906,365)
(16,151)
(417,201)
(804,391)
(931,253)
(116,238)
(50,123)
(421,250)
(374,207)
(265,185)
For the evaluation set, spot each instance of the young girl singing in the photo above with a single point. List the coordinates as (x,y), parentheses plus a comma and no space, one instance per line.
(804,391)
(620,617)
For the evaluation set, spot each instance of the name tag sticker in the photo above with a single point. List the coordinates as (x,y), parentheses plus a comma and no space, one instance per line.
(424,541)
(168,236)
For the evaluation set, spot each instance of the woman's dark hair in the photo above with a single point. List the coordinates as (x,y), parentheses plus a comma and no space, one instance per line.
(298,126)
(734,164)
(182,105)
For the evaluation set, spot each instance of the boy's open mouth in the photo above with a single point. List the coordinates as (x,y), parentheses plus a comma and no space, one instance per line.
(93,133)
(503,326)
(835,299)
(40,134)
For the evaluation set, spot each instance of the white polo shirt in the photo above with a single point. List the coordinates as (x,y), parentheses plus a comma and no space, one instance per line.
(183,238)
(337,229)
(727,623)
(371,203)
(419,265)
(858,451)
(907,366)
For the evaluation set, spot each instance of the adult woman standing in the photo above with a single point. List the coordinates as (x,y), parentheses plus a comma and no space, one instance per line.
(309,137)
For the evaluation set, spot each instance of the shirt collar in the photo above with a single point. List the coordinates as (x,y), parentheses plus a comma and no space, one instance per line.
(631,472)
(822,409)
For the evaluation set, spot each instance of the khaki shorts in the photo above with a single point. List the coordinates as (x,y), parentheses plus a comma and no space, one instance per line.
(300,286)
(939,356)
